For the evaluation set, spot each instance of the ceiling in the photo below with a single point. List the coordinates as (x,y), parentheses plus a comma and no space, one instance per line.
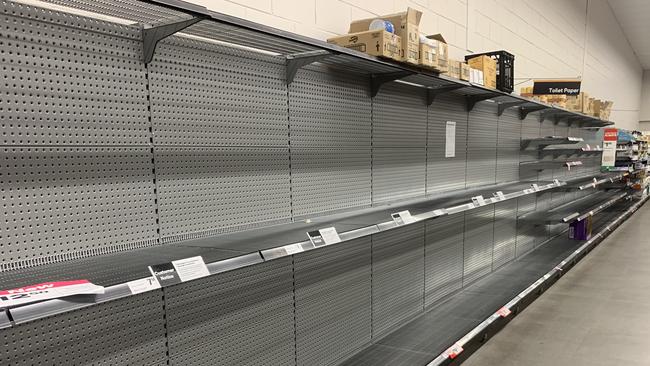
(634,18)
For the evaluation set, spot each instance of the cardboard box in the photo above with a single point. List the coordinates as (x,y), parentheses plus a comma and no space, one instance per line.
(376,43)
(464,71)
(454,69)
(443,52)
(489,68)
(406,27)
(429,54)
(476,76)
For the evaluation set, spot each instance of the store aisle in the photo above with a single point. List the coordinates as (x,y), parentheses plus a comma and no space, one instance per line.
(598,314)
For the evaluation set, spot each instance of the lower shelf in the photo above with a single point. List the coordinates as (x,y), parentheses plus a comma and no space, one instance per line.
(424,338)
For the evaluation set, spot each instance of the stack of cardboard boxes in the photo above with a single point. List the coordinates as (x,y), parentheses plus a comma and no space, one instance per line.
(581,103)
(406,44)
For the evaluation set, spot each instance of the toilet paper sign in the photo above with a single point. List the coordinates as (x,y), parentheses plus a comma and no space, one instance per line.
(47,291)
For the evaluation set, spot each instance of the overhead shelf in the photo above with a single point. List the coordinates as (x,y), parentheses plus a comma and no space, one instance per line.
(543,142)
(163,18)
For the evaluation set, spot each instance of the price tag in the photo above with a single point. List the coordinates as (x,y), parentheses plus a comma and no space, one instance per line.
(143,285)
(293,248)
(500,195)
(403,217)
(557,182)
(478,200)
(453,351)
(504,312)
(324,236)
(535,187)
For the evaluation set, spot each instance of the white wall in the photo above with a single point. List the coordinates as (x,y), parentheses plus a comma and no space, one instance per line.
(645,100)
(550,38)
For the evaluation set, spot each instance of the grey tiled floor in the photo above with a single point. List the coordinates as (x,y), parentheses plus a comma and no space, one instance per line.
(597,314)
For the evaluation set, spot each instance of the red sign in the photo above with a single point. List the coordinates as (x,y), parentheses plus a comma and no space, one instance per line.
(611,134)
(47,290)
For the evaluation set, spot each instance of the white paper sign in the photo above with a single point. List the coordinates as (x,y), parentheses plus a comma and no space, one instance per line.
(609,154)
(557,182)
(450,140)
(478,200)
(46,291)
(330,236)
(535,187)
(143,285)
(403,217)
(191,268)
(500,195)
(293,248)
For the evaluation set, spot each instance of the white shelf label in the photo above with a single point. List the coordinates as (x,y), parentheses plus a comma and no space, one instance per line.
(191,268)
(478,200)
(557,182)
(293,249)
(324,236)
(500,195)
(535,187)
(143,285)
(450,140)
(403,217)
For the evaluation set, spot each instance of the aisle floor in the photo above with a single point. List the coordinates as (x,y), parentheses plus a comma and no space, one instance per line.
(597,314)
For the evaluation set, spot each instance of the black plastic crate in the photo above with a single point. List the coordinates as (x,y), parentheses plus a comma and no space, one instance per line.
(505,68)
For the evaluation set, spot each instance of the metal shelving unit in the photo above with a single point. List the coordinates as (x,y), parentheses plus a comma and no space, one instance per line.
(540,165)
(266,269)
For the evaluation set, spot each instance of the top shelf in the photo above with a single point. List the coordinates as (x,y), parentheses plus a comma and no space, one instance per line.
(161,18)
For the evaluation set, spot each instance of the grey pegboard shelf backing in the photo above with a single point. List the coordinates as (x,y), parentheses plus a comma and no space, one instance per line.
(72,202)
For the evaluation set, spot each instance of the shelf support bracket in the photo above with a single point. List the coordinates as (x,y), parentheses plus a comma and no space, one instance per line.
(151,35)
(473,99)
(505,105)
(432,93)
(295,61)
(524,111)
(579,120)
(377,80)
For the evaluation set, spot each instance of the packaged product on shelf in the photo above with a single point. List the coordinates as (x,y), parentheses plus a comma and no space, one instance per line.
(464,71)
(443,52)
(377,43)
(454,69)
(476,76)
(406,27)
(489,68)
(428,52)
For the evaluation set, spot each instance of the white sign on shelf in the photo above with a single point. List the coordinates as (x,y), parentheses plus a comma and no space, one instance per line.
(324,236)
(478,200)
(293,248)
(191,268)
(535,187)
(450,140)
(557,182)
(403,217)
(500,195)
(143,285)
